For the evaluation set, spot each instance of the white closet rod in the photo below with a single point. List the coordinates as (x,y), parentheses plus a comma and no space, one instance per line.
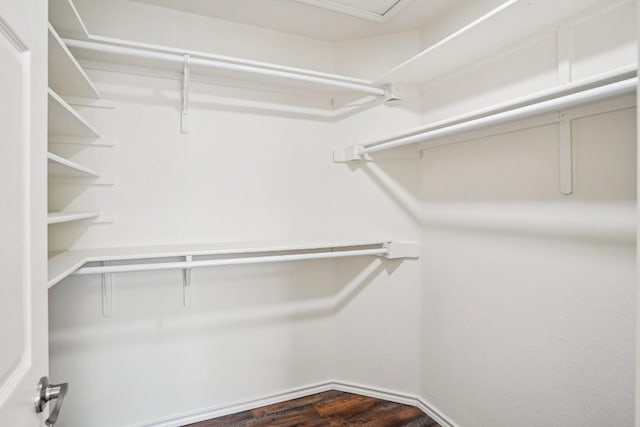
(219,64)
(553,105)
(180,265)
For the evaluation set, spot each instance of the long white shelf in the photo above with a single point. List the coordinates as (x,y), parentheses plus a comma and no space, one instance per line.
(66,76)
(65,121)
(60,217)
(66,263)
(608,85)
(491,33)
(59,166)
(153,57)
(65,18)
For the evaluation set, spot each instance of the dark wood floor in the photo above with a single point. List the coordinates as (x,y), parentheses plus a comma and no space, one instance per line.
(328,409)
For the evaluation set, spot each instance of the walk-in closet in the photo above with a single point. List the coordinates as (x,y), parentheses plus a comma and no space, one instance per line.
(318,213)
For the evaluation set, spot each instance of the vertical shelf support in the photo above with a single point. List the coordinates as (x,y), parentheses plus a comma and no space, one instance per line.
(184,118)
(107,292)
(565,52)
(566,155)
(186,284)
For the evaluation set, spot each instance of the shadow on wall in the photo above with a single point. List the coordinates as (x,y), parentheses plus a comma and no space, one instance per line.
(225,300)
(509,184)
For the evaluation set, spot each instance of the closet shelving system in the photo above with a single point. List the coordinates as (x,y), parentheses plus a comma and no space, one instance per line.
(67,76)
(491,33)
(481,38)
(67,79)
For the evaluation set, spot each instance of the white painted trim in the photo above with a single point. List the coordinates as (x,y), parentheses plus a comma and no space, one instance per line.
(215,412)
(393,10)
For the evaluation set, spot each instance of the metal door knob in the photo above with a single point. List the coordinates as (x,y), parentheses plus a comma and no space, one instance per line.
(47,392)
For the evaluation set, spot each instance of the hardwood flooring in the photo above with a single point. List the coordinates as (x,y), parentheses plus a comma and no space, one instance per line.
(328,409)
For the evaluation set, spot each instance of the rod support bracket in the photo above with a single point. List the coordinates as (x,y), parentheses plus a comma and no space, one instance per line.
(397,250)
(186,284)
(349,154)
(185,125)
(392,95)
(107,292)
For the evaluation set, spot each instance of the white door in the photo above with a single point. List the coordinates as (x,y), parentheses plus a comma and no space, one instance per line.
(23,287)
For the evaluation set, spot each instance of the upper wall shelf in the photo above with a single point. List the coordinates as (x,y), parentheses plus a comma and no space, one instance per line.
(65,121)
(609,85)
(66,76)
(65,263)
(493,32)
(65,18)
(222,68)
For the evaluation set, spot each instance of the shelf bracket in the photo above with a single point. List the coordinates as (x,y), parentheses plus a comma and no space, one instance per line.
(393,95)
(565,156)
(107,292)
(186,284)
(348,154)
(184,118)
(401,250)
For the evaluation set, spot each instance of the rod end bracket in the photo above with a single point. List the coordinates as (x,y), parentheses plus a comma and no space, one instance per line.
(397,250)
(393,95)
(349,154)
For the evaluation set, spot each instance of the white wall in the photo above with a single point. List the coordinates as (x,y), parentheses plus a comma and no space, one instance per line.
(529,295)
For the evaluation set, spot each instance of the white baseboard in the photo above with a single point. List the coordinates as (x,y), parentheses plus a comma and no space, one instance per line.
(214,412)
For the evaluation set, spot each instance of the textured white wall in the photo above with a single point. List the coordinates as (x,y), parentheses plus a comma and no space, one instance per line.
(529,295)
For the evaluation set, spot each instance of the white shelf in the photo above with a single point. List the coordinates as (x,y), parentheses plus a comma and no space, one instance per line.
(60,217)
(64,263)
(102,50)
(59,166)
(616,83)
(65,18)
(495,31)
(66,76)
(65,121)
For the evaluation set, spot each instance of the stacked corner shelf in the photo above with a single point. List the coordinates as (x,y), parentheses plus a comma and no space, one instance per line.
(67,80)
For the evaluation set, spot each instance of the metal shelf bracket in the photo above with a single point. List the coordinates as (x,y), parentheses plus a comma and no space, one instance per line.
(185,126)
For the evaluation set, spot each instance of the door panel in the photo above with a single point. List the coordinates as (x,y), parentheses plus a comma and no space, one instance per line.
(23,289)
(13,227)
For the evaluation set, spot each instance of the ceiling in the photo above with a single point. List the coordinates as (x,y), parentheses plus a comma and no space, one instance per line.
(328,20)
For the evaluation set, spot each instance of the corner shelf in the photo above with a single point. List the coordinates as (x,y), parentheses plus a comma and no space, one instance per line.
(59,166)
(60,217)
(491,33)
(66,76)
(65,121)
(64,16)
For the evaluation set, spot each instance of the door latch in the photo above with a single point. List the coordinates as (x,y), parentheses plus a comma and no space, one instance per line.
(47,392)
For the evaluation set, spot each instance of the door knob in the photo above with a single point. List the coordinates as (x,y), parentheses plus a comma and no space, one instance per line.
(47,392)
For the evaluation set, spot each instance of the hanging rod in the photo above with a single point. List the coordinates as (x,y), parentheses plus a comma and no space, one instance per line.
(225,64)
(390,250)
(500,114)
